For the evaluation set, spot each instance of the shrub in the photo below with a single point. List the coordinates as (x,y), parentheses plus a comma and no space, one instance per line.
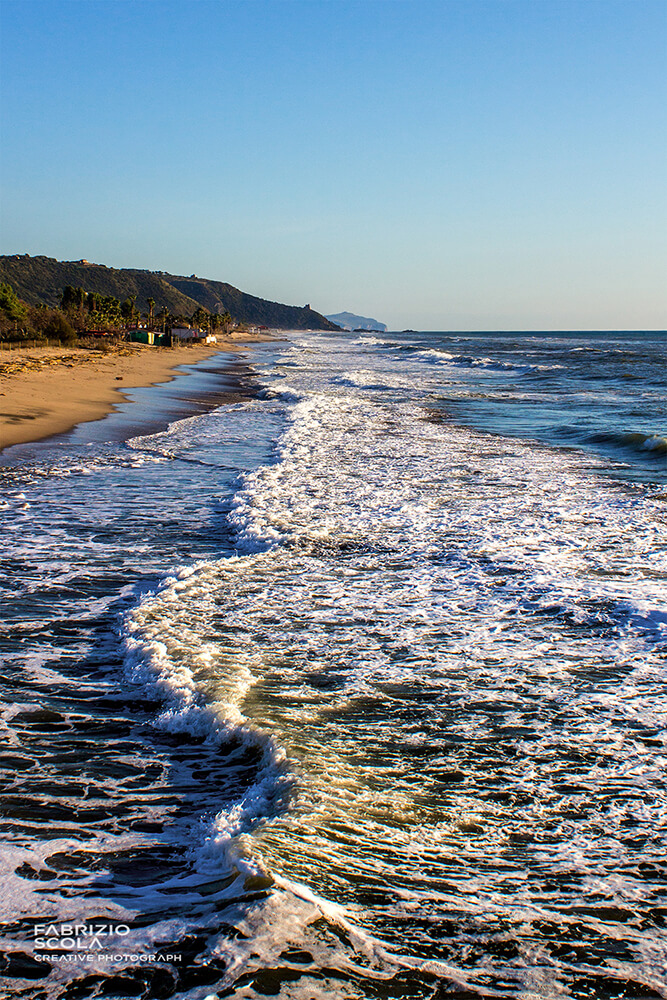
(57,328)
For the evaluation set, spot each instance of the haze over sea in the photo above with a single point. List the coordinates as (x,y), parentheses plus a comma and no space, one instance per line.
(354,687)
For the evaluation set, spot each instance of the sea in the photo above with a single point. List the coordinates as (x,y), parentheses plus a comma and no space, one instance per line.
(336,669)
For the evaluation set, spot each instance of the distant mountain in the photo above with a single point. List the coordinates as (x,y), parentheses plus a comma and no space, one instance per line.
(40,281)
(349,321)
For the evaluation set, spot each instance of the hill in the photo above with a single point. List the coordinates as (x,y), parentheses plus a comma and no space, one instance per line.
(350,321)
(40,281)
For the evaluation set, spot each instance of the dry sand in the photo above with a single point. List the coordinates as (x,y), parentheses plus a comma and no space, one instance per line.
(48,390)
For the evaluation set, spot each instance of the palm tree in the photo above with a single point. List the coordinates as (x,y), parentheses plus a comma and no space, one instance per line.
(151,307)
(128,310)
(200,317)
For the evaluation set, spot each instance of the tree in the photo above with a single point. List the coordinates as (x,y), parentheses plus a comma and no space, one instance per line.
(10,305)
(151,312)
(227,322)
(57,328)
(72,298)
(74,303)
(128,309)
(105,313)
(200,317)
(166,320)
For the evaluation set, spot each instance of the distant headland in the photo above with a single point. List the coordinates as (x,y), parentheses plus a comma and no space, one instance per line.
(350,321)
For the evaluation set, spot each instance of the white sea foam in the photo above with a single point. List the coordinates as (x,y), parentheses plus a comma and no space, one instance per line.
(655,443)
(382,553)
(437,660)
(369,340)
(202,685)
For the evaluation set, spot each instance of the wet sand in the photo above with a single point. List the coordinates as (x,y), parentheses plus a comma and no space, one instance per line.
(49,390)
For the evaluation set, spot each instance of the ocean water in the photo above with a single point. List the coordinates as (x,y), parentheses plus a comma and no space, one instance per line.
(353,686)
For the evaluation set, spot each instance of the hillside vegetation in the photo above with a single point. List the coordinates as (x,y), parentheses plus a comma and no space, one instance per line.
(40,281)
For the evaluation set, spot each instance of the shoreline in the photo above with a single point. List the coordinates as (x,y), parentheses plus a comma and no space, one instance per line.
(48,391)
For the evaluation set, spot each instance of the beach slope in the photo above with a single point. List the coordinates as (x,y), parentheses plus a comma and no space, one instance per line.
(48,390)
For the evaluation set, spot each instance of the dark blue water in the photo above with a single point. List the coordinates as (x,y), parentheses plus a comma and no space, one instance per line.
(605,392)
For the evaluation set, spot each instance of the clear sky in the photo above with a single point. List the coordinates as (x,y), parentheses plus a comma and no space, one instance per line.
(461,164)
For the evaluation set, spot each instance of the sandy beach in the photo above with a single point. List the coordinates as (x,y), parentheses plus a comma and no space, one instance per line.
(48,390)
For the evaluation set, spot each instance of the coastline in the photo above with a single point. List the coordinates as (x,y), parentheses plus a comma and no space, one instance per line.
(50,390)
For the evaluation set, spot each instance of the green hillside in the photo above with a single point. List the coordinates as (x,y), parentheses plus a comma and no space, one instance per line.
(40,280)
(217,296)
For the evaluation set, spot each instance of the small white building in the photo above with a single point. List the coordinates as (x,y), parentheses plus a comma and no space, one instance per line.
(192,333)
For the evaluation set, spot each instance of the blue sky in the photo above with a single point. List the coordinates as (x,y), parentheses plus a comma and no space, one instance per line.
(451,165)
